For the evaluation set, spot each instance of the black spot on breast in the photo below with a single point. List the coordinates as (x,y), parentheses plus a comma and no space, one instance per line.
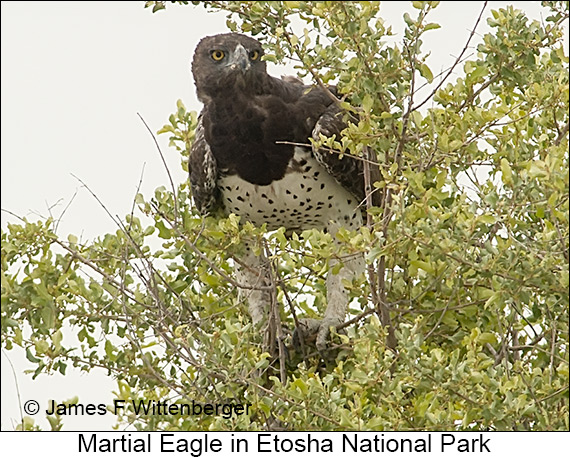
(240,198)
(270,201)
(322,185)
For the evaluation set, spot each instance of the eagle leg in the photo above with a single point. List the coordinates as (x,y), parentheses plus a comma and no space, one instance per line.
(257,287)
(253,277)
(317,331)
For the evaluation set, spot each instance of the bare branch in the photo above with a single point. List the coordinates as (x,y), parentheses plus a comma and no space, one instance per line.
(457,61)
(165,165)
(562,134)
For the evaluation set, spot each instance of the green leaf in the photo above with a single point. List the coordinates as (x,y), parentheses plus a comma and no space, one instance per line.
(421,265)
(31,356)
(263,362)
(432,26)
(487,337)
(158,6)
(301,385)
(479,72)
(163,231)
(367,103)
(56,339)
(487,218)
(507,172)
(426,72)
(41,346)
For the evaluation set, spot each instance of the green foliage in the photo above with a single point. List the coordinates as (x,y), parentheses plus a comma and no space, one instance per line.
(469,250)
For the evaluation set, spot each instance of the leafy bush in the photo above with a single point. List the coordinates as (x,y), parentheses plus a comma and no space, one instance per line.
(468,253)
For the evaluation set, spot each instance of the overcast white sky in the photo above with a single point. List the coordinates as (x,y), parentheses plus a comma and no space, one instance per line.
(74,77)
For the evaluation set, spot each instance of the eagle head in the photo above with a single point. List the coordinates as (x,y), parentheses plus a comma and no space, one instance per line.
(222,62)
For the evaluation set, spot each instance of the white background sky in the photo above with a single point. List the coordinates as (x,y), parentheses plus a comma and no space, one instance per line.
(74,77)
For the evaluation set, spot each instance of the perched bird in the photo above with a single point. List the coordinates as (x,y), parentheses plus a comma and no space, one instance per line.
(252,157)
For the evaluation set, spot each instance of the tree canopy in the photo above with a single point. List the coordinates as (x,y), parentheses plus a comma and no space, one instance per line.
(467,256)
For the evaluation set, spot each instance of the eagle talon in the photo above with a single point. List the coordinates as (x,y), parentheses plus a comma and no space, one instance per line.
(314,332)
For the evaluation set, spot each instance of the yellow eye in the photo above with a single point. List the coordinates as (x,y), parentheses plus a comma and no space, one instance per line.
(254,55)
(217,55)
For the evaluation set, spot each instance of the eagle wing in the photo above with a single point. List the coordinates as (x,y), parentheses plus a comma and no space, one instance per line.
(348,170)
(203,170)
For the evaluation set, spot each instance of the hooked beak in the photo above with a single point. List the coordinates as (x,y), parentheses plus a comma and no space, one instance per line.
(240,59)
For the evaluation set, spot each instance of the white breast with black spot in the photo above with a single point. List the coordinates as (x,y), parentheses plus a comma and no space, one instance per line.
(306,197)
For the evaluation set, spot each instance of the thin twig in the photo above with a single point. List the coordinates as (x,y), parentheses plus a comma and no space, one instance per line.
(281,284)
(165,165)
(60,218)
(276,318)
(17,386)
(445,309)
(457,61)
(355,319)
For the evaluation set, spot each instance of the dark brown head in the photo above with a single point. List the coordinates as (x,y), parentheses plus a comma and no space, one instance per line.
(224,61)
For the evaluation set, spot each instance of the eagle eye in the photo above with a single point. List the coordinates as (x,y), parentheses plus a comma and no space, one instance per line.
(254,55)
(217,54)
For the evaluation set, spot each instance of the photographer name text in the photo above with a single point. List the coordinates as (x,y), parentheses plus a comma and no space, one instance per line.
(150,408)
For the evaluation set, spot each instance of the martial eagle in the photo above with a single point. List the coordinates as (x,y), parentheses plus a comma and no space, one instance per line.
(251,156)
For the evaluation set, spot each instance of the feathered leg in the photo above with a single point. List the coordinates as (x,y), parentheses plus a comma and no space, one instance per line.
(253,274)
(337,296)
